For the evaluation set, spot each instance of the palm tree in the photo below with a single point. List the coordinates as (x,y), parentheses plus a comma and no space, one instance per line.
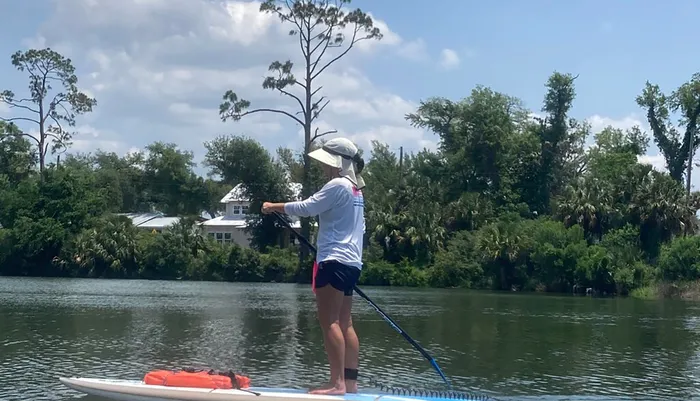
(662,210)
(108,249)
(416,232)
(588,203)
(500,246)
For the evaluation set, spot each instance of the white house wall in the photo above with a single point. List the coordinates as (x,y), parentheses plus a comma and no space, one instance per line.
(238,234)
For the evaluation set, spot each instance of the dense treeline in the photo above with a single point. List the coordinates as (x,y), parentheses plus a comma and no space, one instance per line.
(512,199)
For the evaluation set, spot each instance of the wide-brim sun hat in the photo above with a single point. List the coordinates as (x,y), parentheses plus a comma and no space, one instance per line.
(343,154)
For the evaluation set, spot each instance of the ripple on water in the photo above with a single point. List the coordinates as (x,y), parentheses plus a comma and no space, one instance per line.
(545,348)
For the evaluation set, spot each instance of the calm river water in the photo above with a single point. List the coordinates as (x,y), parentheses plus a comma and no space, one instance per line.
(509,346)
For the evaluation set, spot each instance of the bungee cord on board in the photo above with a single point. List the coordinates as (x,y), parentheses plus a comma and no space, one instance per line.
(448,394)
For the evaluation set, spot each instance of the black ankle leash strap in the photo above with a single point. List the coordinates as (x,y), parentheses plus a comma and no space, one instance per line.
(350,374)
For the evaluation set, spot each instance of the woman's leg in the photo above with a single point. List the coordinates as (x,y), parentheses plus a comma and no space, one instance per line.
(329,302)
(352,345)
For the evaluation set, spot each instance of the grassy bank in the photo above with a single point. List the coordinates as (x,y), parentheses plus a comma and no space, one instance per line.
(686,290)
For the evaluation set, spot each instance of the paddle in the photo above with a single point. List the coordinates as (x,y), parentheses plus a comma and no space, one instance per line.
(376,307)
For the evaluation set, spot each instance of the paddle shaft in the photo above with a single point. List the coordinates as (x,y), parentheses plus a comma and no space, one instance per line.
(375,306)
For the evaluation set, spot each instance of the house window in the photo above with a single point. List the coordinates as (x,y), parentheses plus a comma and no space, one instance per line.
(240,209)
(222,238)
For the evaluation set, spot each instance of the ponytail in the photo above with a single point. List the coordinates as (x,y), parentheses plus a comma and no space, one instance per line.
(359,163)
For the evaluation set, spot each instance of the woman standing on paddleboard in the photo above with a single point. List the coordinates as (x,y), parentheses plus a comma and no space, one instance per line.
(339,206)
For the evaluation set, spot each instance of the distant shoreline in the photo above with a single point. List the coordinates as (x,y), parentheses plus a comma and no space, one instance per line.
(678,290)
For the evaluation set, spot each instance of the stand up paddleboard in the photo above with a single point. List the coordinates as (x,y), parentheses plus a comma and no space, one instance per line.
(137,390)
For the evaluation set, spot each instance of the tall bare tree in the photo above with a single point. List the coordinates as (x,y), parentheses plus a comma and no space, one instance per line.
(322,27)
(46,67)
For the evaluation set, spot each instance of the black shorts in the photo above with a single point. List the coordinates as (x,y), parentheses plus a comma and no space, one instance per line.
(339,276)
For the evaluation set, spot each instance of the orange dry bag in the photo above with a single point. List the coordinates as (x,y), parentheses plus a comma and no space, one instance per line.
(197,379)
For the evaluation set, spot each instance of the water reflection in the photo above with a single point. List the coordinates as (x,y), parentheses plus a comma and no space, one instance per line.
(512,345)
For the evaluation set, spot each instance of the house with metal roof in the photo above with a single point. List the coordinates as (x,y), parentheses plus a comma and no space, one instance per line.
(151,221)
(227,228)
(230,226)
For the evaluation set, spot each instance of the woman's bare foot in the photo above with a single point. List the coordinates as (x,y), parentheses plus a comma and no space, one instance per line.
(338,389)
(324,387)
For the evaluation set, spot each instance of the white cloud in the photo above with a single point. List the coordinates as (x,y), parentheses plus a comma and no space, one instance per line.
(159,68)
(86,131)
(90,145)
(415,50)
(385,107)
(396,136)
(449,59)
(86,138)
(598,122)
(656,161)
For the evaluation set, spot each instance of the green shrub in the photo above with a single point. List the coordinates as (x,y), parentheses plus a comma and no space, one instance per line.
(404,274)
(4,245)
(627,266)
(34,245)
(679,260)
(210,265)
(456,266)
(244,264)
(553,253)
(593,270)
(376,273)
(279,265)
(163,256)
(648,292)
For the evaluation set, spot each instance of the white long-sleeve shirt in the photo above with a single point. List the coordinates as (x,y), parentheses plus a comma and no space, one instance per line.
(341,219)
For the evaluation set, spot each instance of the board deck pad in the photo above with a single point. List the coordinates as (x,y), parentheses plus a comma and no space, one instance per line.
(137,390)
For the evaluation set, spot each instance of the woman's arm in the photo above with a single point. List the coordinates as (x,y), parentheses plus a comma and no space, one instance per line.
(312,206)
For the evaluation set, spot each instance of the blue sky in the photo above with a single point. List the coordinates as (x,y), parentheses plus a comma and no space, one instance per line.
(158,68)
(615,46)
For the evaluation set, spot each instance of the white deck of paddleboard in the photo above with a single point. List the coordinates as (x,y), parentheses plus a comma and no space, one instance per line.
(137,390)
